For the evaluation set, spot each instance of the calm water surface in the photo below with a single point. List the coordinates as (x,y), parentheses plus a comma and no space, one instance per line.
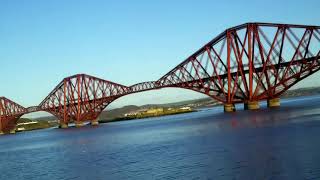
(266,144)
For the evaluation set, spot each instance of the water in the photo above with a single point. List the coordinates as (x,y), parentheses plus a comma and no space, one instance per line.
(269,144)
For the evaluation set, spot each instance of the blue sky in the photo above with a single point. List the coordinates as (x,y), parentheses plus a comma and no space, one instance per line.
(43,41)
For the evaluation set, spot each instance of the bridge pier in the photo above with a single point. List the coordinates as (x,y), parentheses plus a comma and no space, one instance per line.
(95,122)
(63,125)
(229,107)
(79,124)
(272,103)
(12,131)
(251,105)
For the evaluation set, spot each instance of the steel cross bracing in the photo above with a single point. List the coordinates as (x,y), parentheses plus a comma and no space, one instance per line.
(254,61)
(250,62)
(10,112)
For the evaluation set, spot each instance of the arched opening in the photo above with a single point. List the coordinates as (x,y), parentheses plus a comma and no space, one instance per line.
(36,120)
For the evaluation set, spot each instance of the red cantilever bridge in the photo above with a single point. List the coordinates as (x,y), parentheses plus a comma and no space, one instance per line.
(244,64)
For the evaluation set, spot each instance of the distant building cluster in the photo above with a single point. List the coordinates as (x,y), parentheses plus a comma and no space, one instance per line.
(21,126)
(156,112)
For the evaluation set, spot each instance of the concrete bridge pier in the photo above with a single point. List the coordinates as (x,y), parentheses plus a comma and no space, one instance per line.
(251,105)
(63,125)
(229,107)
(95,122)
(12,131)
(274,102)
(79,124)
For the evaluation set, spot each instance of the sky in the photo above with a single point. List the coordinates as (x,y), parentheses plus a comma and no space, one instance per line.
(43,41)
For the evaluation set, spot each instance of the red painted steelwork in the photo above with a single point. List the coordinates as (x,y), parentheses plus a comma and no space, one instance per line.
(81,97)
(10,112)
(250,62)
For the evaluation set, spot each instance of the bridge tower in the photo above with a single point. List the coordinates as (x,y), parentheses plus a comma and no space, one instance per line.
(81,98)
(249,63)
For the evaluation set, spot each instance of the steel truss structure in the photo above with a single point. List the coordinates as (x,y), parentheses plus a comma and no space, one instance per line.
(250,62)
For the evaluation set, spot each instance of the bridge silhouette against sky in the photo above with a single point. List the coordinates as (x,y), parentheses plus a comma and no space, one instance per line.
(244,64)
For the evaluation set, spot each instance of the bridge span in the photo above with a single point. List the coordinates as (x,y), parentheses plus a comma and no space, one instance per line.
(244,64)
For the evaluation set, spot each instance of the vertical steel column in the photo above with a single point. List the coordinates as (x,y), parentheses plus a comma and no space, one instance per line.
(64,101)
(229,66)
(78,111)
(94,95)
(250,59)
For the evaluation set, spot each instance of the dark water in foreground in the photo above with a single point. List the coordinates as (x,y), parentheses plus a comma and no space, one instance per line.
(268,144)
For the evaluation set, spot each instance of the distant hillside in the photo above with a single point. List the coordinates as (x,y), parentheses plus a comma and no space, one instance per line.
(45,118)
(24,120)
(181,103)
(118,112)
(302,92)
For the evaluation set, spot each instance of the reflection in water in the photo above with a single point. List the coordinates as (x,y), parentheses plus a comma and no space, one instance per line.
(279,143)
